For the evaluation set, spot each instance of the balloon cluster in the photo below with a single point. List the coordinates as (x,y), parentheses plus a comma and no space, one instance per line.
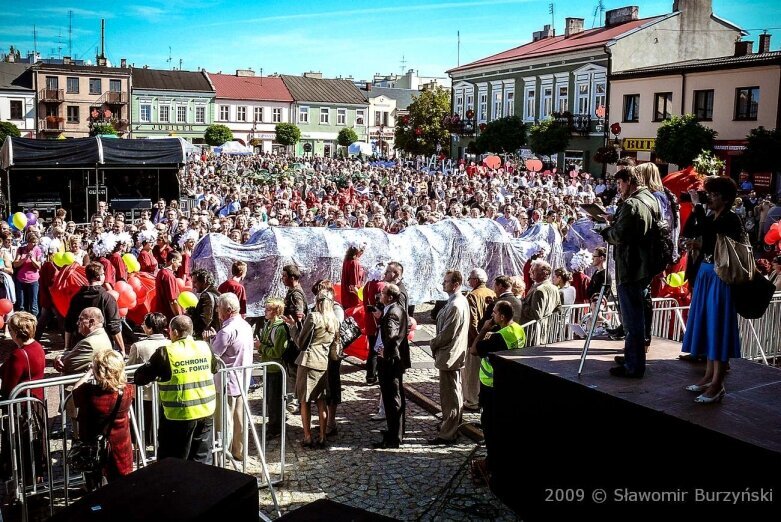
(125,295)
(6,306)
(131,263)
(20,220)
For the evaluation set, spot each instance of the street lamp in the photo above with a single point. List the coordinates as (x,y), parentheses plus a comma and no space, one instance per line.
(381,132)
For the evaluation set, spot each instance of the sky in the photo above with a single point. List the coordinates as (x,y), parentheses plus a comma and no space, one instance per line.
(337,38)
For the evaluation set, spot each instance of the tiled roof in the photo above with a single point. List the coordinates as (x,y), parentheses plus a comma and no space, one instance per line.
(267,88)
(15,77)
(403,97)
(94,69)
(587,39)
(722,62)
(323,90)
(163,80)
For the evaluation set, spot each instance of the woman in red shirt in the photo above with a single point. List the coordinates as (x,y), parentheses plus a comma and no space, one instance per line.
(146,258)
(352,276)
(96,403)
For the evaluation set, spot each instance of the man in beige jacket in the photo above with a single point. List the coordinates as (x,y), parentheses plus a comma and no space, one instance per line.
(449,348)
(478,300)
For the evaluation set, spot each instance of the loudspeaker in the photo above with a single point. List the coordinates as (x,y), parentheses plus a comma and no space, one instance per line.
(122,204)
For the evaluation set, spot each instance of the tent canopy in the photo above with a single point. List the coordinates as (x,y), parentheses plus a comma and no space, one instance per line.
(360,147)
(233,147)
(27,153)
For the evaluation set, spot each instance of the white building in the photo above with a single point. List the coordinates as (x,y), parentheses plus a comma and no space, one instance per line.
(17,97)
(386,106)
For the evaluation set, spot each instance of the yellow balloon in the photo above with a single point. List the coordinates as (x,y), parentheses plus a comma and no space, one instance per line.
(68,258)
(20,220)
(130,262)
(58,259)
(360,293)
(676,279)
(187,300)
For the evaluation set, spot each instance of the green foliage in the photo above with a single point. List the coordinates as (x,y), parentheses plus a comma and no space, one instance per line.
(762,151)
(549,137)
(103,129)
(346,137)
(216,135)
(8,129)
(606,155)
(422,129)
(682,138)
(287,134)
(504,135)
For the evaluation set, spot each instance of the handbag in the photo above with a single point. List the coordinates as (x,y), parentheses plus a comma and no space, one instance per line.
(91,456)
(733,261)
(349,331)
(752,298)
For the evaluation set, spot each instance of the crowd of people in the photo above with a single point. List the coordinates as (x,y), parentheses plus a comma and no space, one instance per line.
(182,347)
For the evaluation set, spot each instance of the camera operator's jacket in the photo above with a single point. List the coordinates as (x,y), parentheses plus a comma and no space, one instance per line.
(630,233)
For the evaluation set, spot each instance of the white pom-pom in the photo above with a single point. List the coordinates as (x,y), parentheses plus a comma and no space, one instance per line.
(581,260)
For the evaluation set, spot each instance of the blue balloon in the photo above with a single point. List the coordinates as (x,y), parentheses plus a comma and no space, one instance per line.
(11,223)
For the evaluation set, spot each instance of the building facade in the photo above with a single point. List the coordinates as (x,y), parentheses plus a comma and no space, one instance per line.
(386,106)
(322,108)
(171,103)
(17,97)
(251,107)
(71,99)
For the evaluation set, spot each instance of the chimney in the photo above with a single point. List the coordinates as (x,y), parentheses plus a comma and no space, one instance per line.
(546,32)
(744,48)
(368,87)
(572,26)
(621,15)
(764,43)
(66,60)
(123,63)
(245,72)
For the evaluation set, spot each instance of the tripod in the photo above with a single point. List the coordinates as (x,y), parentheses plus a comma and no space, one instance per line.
(606,288)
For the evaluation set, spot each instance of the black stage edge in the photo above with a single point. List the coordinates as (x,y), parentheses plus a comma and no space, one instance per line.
(170,490)
(325,509)
(583,448)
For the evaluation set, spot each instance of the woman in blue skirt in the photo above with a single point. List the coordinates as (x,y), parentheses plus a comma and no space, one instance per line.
(712,326)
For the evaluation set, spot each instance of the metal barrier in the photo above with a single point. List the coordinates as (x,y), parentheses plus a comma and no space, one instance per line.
(58,476)
(759,338)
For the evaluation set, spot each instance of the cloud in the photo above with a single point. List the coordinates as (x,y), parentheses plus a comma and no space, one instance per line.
(77,12)
(147,11)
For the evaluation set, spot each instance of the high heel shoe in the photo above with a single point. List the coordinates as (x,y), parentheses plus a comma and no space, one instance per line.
(703,399)
(699,388)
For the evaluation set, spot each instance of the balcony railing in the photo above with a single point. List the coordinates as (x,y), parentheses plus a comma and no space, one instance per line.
(114,98)
(48,125)
(51,95)
(121,126)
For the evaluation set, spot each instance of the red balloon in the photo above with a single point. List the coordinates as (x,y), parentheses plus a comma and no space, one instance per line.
(123,312)
(114,294)
(126,297)
(135,283)
(145,300)
(773,235)
(66,283)
(122,287)
(6,306)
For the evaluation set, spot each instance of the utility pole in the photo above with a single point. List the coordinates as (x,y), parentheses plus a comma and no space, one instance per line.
(169,57)
(180,64)
(70,33)
(403,65)
(458,60)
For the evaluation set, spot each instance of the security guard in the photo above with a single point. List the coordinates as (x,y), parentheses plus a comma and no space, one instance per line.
(510,336)
(188,397)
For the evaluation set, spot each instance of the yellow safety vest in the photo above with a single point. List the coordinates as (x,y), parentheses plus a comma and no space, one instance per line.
(515,338)
(190,394)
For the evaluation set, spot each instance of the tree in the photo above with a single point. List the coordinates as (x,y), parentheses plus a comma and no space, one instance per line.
(501,136)
(422,129)
(762,150)
(216,135)
(103,129)
(8,129)
(288,134)
(682,138)
(549,137)
(346,137)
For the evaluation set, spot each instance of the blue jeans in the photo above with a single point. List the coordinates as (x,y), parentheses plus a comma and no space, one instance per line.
(27,297)
(630,298)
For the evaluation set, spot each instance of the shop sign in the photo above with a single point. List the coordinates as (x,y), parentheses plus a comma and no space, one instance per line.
(635,144)
(762,179)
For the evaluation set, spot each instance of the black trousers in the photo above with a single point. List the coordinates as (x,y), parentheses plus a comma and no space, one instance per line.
(185,439)
(392,390)
(486,421)
(371,360)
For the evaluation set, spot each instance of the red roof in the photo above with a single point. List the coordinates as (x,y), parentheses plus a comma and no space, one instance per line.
(559,44)
(264,88)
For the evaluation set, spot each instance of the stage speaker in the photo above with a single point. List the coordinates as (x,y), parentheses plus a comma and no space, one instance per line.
(171,489)
(124,204)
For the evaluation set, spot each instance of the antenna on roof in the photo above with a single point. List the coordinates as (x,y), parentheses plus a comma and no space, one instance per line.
(169,57)
(180,64)
(59,44)
(70,32)
(403,65)
(552,18)
(458,60)
(261,75)
(598,10)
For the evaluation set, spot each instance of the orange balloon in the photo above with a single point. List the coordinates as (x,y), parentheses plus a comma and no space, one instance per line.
(5,307)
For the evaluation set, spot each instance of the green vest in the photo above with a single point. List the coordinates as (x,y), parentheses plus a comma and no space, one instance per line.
(515,338)
(190,394)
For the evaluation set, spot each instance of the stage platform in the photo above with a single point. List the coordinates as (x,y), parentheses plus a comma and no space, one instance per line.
(563,440)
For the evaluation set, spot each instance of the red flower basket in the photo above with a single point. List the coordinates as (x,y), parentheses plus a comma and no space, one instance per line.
(107,114)
(418,131)
(470,114)
(482,127)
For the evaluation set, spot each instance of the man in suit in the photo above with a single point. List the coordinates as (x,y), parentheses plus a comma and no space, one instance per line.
(479,299)
(449,350)
(393,334)
(503,290)
(94,338)
(540,302)
(206,320)
(394,274)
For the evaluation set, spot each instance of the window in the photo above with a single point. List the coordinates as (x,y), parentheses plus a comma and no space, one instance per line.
(303,115)
(547,101)
(73,114)
(181,114)
(470,103)
(52,82)
(115,85)
(583,96)
(325,116)
(360,117)
(200,114)
(631,107)
(224,112)
(241,114)
(563,99)
(95,86)
(599,96)
(276,115)
(165,113)
(17,110)
(703,105)
(380,118)
(145,112)
(497,108)
(258,114)
(73,85)
(482,113)
(458,107)
(662,104)
(746,103)
(341,116)
(509,103)
(529,107)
